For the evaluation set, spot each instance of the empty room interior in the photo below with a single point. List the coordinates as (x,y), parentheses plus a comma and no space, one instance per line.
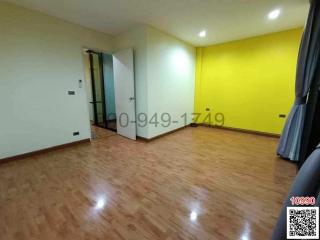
(148,119)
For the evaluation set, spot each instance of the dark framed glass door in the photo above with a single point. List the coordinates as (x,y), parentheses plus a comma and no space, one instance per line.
(98,94)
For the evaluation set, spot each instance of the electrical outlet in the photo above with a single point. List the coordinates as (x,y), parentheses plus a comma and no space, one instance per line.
(76,134)
(71,93)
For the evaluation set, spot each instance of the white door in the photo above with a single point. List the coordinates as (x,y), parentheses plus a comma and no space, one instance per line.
(123,69)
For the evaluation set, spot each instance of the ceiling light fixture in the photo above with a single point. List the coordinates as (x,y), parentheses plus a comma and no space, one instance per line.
(274,14)
(202,34)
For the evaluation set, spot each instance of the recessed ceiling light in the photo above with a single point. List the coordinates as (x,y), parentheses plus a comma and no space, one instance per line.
(202,34)
(274,14)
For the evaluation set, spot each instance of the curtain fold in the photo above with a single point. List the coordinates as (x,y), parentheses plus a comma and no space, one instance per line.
(290,141)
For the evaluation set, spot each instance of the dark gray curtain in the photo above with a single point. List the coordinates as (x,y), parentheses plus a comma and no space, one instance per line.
(306,183)
(290,141)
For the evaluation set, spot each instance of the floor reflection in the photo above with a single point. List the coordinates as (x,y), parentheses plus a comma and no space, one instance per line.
(193,216)
(100,203)
(246,232)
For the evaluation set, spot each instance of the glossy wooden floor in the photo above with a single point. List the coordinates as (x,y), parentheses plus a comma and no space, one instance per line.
(197,183)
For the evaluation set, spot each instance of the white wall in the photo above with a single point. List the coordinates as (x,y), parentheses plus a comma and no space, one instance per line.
(171,79)
(41,59)
(164,75)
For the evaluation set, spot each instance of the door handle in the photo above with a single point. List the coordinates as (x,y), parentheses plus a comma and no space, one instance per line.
(132,98)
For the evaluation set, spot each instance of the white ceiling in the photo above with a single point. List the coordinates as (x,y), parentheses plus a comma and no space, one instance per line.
(224,20)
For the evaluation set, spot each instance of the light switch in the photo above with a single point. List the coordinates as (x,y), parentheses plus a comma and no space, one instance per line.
(80,83)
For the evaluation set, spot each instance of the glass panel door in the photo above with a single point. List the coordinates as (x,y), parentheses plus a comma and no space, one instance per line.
(97,89)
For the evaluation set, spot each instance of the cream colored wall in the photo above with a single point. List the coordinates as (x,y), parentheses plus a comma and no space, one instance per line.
(164,77)
(41,59)
(171,80)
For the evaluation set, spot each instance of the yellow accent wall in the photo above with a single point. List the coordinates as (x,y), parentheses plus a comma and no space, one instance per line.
(250,81)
